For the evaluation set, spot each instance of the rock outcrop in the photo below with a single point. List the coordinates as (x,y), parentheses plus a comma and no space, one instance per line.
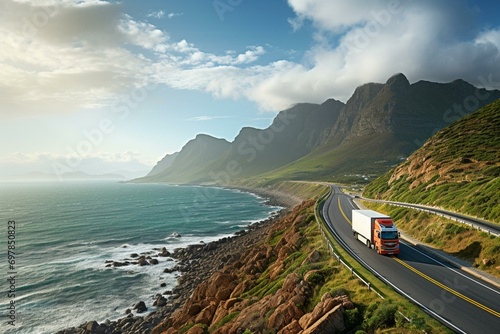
(262,280)
(259,292)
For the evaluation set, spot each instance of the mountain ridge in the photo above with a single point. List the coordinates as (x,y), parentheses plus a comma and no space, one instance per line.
(378,126)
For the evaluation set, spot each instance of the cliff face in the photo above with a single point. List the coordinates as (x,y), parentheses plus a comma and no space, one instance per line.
(163,164)
(458,168)
(295,132)
(189,164)
(264,290)
(380,125)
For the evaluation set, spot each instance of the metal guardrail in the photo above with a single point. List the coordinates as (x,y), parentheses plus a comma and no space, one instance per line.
(368,284)
(434,212)
(340,260)
(332,249)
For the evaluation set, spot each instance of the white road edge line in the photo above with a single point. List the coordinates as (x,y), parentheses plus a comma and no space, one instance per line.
(450,268)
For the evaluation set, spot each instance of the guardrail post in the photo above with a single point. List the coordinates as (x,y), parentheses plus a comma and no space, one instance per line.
(369,284)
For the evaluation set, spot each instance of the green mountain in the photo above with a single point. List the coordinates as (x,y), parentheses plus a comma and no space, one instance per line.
(378,127)
(163,164)
(458,168)
(381,124)
(294,133)
(190,163)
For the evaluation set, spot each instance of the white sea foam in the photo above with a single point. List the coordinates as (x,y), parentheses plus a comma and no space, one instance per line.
(68,233)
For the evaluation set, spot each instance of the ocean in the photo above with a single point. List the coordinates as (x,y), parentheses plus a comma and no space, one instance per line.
(65,232)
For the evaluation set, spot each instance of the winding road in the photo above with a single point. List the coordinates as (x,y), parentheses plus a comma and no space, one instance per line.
(460,301)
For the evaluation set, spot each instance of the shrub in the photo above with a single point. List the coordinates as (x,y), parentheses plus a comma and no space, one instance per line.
(382,316)
(352,318)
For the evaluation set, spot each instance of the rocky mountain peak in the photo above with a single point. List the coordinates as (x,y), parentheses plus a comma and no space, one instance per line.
(398,83)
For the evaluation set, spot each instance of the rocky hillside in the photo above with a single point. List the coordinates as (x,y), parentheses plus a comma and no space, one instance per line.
(458,168)
(276,277)
(380,125)
(190,163)
(163,164)
(267,288)
(294,133)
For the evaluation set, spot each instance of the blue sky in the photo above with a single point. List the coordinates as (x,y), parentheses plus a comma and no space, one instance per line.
(100,86)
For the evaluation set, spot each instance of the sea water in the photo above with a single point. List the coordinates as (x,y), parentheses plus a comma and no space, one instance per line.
(66,231)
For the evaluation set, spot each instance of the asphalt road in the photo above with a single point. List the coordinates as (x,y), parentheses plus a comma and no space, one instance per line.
(475,222)
(459,300)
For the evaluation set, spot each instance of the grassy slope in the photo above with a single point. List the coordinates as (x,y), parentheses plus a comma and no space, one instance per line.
(337,164)
(479,249)
(457,169)
(371,313)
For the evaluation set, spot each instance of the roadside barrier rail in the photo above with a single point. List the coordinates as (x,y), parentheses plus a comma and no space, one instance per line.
(474,223)
(321,226)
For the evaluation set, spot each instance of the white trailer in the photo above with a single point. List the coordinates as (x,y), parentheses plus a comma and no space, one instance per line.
(375,230)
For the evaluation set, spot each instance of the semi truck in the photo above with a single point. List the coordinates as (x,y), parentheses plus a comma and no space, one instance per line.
(376,230)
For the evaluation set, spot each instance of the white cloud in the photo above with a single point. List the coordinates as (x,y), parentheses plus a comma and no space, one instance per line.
(172,15)
(68,56)
(335,15)
(362,41)
(161,14)
(157,15)
(356,42)
(58,58)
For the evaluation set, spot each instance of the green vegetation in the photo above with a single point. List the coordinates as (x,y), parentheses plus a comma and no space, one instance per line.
(303,190)
(457,169)
(337,164)
(373,313)
(327,275)
(478,248)
(225,320)
(189,326)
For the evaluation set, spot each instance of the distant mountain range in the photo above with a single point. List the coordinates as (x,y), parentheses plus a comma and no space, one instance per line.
(378,127)
(119,176)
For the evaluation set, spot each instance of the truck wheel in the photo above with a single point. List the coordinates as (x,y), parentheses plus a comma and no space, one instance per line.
(355,235)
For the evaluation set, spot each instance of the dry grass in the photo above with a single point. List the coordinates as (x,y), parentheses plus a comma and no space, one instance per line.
(478,248)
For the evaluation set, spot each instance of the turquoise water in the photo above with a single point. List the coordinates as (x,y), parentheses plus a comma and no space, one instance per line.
(66,231)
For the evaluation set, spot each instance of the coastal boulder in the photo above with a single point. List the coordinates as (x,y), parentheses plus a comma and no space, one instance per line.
(140,307)
(313,257)
(196,330)
(220,286)
(331,322)
(164,252)
(284,314)
(206,315)
(91,326)
(142,261)
(291,328)
(324,307)
(160,301)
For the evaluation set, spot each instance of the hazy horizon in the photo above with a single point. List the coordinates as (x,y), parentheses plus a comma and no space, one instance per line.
(100,86)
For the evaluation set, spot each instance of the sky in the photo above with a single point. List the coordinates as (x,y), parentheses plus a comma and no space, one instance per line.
(102,86)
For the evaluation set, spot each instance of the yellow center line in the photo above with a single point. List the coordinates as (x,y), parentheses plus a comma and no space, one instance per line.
(343,214)
(441,285)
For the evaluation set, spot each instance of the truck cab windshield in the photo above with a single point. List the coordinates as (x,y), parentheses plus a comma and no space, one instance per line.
(389,234)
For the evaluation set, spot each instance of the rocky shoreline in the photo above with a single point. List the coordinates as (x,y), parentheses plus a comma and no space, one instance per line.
(196,263)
